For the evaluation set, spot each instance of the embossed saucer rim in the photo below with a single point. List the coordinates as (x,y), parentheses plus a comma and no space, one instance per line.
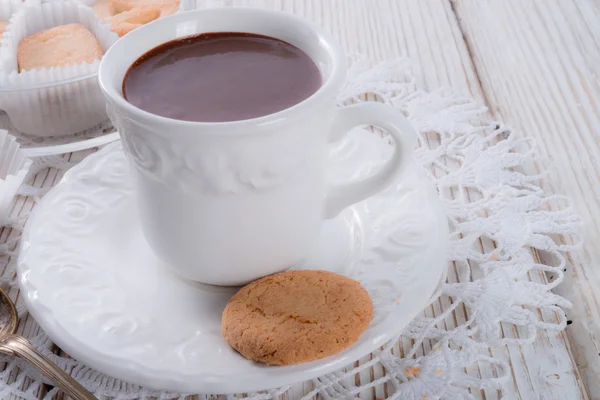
(264,377)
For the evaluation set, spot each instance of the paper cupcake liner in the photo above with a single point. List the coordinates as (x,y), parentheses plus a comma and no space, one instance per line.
(53,101)
(9,7)
(14,166)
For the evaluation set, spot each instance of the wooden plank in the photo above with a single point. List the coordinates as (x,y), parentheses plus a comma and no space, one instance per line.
(538,62)
(427,32)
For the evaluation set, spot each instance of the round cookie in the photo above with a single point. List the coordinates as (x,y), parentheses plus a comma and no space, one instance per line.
(296,316)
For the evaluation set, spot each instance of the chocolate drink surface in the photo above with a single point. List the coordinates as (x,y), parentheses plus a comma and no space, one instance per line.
(221,76)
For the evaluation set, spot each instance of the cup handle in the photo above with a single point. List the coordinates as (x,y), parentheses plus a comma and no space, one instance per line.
(341,196)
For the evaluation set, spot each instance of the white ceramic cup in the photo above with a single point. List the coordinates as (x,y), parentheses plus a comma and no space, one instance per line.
(229,202)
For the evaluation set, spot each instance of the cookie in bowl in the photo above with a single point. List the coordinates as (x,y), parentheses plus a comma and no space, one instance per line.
(59,46)
(49,60)
(296,316)
(165,7)
(127,15)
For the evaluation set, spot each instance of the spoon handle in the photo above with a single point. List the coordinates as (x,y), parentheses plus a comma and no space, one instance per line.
(21,347)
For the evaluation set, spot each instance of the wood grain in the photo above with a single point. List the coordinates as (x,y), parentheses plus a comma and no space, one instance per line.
(428,32)
(538,62)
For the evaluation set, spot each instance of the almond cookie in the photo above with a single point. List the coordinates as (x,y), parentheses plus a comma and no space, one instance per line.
(105,9)
(296,316)
(167,7)
(127,15)
(58,47)
(126,21)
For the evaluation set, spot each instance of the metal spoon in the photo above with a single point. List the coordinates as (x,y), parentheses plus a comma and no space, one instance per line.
(15,345)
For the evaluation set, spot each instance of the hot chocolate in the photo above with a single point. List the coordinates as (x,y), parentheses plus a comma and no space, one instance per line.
(222,76)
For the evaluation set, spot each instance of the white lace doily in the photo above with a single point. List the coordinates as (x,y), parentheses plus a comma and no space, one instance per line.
(476,163)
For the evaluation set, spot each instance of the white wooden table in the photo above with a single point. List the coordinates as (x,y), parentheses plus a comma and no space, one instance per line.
(536,65)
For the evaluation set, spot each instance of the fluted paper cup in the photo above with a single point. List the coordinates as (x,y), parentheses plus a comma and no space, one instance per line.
(14,166)
(9,7)
(52,101)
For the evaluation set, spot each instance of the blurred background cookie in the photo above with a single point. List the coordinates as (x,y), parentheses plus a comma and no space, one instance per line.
(126,15)
(50,56)
(58,47)
(296,316)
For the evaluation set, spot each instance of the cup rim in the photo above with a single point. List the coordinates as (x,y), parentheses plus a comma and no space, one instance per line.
(333,82)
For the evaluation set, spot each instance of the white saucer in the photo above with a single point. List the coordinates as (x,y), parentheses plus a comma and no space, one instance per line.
(94,286)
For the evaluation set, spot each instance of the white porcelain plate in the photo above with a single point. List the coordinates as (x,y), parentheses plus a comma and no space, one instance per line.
(93,284)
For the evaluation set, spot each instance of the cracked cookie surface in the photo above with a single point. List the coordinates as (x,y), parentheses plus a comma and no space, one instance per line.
(296,316)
